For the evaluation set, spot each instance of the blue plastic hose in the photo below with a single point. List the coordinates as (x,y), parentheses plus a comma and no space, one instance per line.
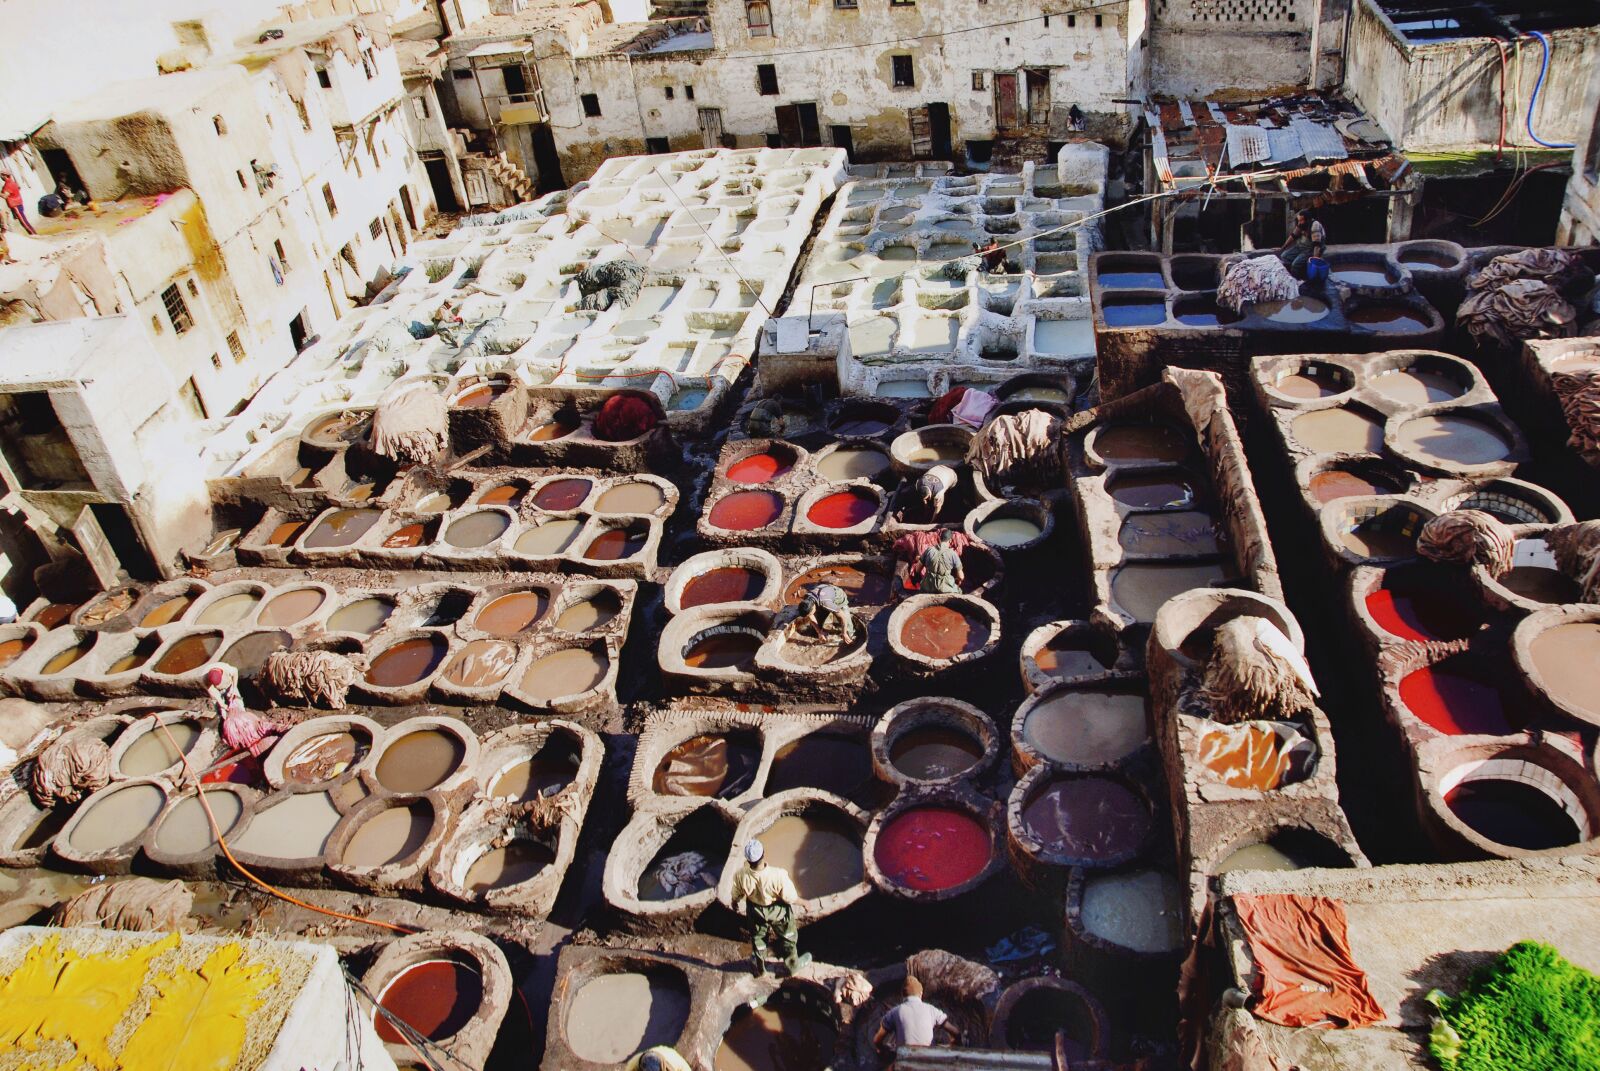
(1544,68)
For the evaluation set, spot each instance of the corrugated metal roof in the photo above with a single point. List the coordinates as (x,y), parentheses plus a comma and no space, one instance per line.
(1247,145)
(1285,145)
(1321,141)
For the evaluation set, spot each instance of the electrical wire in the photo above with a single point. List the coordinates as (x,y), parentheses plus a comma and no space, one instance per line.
(1533,100)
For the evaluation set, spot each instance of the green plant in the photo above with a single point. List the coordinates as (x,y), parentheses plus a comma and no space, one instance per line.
(1528,1009)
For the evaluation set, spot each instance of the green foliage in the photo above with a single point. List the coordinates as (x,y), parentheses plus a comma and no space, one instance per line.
(1529,1009)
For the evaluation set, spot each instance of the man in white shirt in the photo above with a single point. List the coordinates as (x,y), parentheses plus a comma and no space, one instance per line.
(912,1022)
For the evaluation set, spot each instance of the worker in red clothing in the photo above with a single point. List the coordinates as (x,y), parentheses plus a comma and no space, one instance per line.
(13,194)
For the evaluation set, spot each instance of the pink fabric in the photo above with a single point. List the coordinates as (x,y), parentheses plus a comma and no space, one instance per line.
(974,408)
(946,404)
(245,730)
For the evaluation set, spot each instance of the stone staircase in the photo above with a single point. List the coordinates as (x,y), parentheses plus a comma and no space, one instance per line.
(511,177)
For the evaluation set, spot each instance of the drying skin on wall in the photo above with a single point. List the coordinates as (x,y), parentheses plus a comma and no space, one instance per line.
(1256,755)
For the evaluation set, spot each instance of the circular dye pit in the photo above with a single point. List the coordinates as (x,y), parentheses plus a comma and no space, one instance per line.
(1313,381)
(1394,319)
(1300,310)
(476,529)
(11,650)
(820,850)
(229,609)
(286,533)
(596,611)
(325,757)
(407,535)
(729,583)
(1453,440)
(782,1035)
(500,868)
(1142,442)
(1046,1015)
(934,752)
(297,828)
(1331,484)
(480,396)
(1539,583)
(73,653)
(1091,820)
(390,835)
(843,509)
(630,498)
(833,763)
(55,614)
(613,1016)
(572,671)
(1141,589)
(1513,813)
(1337,431)
(112,819)
(183,656)
(1566,657)
(852,463)
(420,760)
(1362,273)
(719,765)
(759,468)
(732,649)
(560,495)
(481,664)
(1074,654)
(42,829)
(291,607)
(1170,533)
(933,848)
(1460,695)
(436,998)
(617,544)
(186,829)
(158,748)
(1141,910)
(551,537)
(365,616)
(864,587)
(549,432)
(544,773)
(944,631)
(1417,386)
(939,452)
(1152,490)
(250,654)
(341,528)
(514,613)
(1009,531)
(169,610)
(407,662)
(1424,606)
(745,511)
(864,420)
(505,494)
(1086,728)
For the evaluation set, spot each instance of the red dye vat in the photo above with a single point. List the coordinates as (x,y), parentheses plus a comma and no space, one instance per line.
(436,999)
(727,584)
(562,494)
(943,631)
(1458,696)
(1415,610)
(843,509)
(758,468)
(614,544)
(745,511)
(932,848)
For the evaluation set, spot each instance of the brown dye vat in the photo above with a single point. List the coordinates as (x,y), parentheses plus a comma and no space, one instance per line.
(189,653)
(591,613)
(1539,584)
(435,998)
(852,463)
(720,765)
(154,752)
(342,528)
(944,631)
(1311,381)
(359,491)
(250,654)
(364,615)
(616,544)
(1180,532)
(325,757)
(229,609)
(1087,728)
(505,494)
(1362,273)
(409,535)
(634,497)
(54,614)
(117,817)
(934,752)
(729,583)
(1043,1015)
(1454,439)
(169,611)
(1300,310)
(782,1035)
(1335,431)
(1088,818)
(297,828)
(1427,261)
(420,760)
(1141,589)
(745,511)
(513,613)
(551,537)
(936,453)
(481,664)
(291,607)
(1152,490)
(1331,484)
(407,662)
(863,587)
(476,529)
(67,656)
(828,761)
(1565,658)
(1070,655)
(1415,386)
(389,836)
(500,868)
(187,828)
(341,427)
(723,650)
(11,650)
(286,533)
(480,396)
(1381,537)
(821,851)
(1394,318)
(1513,813)
(556,429)
(561,673)
(44,828)
(560,495)
(613,1016)
(548,771)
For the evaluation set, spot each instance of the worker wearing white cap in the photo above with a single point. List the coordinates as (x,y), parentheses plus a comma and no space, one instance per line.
(766,896)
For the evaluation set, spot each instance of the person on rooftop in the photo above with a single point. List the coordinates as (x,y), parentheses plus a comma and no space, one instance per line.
(766,896)
(1307,239)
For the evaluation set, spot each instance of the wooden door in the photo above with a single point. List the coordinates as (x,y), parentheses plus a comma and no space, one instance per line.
(1005,99)
(1038,83)
(711,128)
(921,134)
(789,130)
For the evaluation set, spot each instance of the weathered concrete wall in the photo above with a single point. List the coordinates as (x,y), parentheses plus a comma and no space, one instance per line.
(1580,214)
(1446,95)
(1199,47)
